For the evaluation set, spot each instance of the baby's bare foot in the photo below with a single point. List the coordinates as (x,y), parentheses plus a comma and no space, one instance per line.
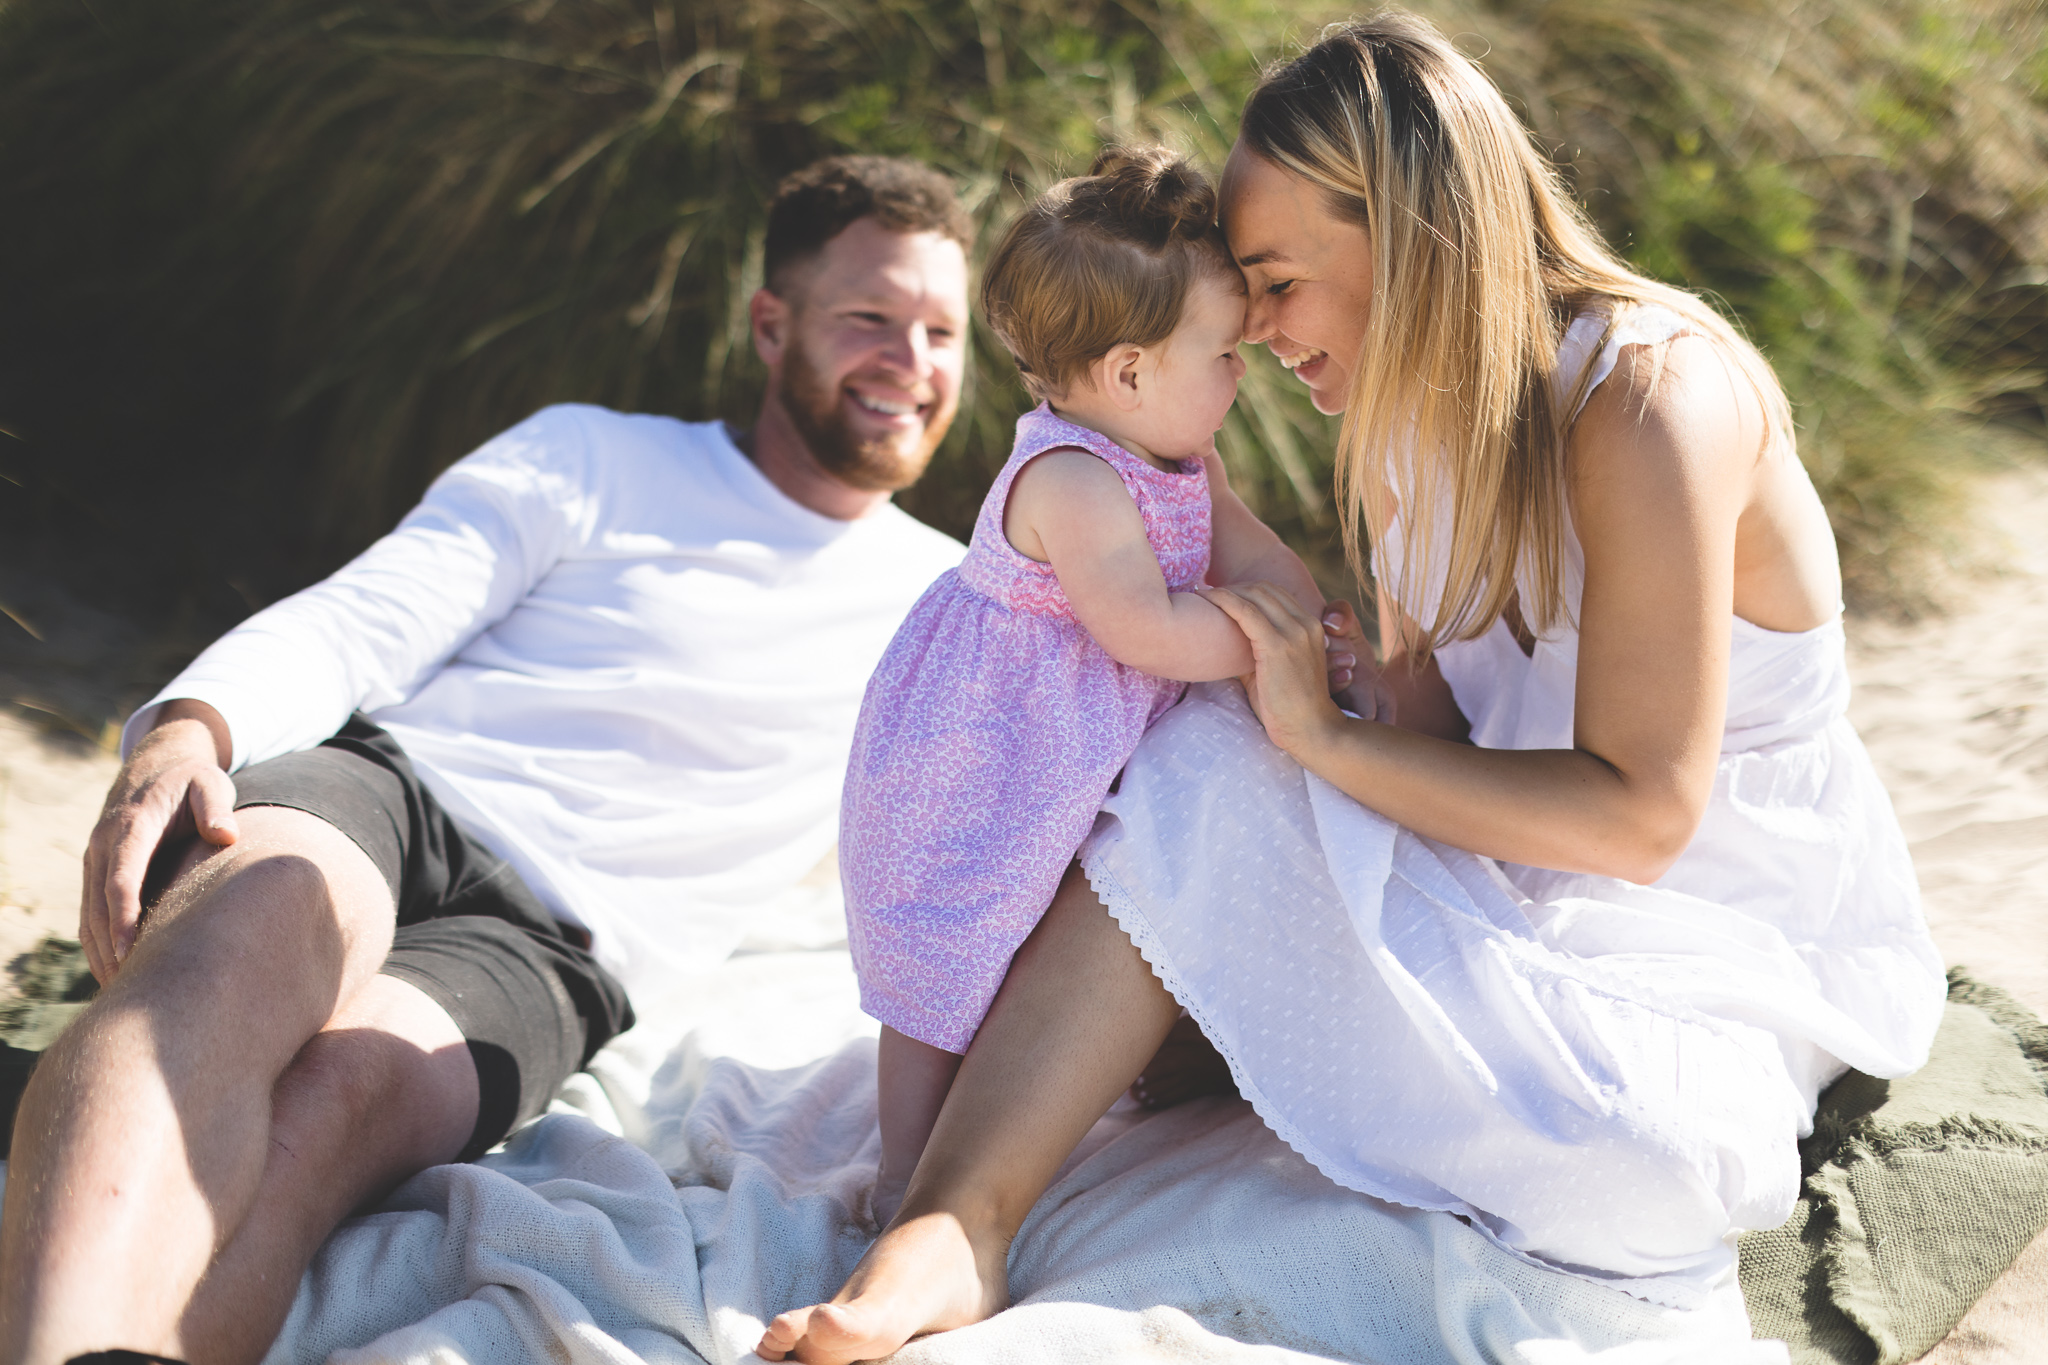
(1187,1066)
(926,1276)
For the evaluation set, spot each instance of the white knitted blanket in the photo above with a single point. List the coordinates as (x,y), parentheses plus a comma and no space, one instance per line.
(718,1173)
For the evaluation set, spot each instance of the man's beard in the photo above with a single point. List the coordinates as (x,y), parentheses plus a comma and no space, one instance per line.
(879,464)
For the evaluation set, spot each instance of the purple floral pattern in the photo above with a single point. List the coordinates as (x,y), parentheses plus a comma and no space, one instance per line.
(988,738)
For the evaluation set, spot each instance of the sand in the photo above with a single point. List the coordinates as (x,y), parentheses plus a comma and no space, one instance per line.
(51,786)
(1954,709)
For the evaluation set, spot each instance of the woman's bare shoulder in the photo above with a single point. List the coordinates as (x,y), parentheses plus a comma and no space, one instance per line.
(1678,435)
(1684,398)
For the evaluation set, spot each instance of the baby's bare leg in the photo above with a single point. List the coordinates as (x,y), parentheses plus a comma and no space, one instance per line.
(1187,1066)
(1076,1019)
(913,1079)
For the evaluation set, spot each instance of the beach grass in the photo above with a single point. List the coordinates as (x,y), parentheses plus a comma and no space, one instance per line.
(271,264)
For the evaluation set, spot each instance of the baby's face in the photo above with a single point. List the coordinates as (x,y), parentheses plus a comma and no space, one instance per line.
(1195,380)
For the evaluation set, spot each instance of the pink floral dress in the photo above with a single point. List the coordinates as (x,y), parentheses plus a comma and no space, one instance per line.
(988,738)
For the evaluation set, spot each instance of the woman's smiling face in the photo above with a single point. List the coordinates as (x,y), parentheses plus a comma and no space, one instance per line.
(1308,272)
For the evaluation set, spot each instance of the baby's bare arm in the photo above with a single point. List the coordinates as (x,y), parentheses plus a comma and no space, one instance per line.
(1245,549)
(1073,511)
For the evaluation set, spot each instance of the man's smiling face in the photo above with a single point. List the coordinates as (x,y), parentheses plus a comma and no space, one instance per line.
(867,358)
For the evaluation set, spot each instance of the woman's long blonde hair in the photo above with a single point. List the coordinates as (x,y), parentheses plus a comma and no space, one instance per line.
(1480,261)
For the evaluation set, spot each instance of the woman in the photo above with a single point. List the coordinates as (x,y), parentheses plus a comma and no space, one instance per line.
(1565,930)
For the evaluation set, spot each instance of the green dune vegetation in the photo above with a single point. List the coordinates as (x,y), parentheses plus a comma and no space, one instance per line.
(267,265)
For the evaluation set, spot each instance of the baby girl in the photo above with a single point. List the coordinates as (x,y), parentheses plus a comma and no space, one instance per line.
(1022,680)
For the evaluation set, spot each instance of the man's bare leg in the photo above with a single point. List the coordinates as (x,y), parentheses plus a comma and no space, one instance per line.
(386,1090)
(1077,1018)
(911,1081)
(147,1132)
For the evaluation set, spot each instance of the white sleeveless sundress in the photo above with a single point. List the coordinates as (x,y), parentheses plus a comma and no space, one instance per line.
(1605,1077)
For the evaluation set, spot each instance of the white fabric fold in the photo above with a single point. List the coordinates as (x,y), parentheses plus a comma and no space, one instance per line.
(1192,1236)
(1603,1076)
(1393,1011)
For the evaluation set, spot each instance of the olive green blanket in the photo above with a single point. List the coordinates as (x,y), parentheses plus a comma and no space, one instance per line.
(1919,1193)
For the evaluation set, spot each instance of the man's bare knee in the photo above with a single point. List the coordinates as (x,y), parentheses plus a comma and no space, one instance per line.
(278,876)
(343,1075)
(386,1091)
(293,896)
(243,922)
(264,939)
(390,1081)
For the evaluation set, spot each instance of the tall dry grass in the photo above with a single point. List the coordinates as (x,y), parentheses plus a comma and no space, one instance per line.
(1865,186)
(270,264)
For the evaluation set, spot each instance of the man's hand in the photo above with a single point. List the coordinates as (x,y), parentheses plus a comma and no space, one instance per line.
(175,784)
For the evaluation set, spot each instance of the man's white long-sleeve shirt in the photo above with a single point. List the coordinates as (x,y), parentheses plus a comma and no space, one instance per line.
(617,654)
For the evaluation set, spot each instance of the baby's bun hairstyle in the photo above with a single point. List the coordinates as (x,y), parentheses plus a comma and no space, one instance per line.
(1102,260)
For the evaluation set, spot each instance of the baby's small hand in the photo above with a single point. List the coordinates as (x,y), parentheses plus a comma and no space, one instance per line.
(1344,644)
(1355,683)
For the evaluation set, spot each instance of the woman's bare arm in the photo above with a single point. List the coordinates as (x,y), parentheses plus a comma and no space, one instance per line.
(1660,480)
(1422,697)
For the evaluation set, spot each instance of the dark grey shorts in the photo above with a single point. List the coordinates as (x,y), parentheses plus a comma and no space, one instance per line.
(530,1000)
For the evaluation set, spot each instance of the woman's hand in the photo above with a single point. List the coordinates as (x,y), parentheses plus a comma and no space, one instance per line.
(1289,685)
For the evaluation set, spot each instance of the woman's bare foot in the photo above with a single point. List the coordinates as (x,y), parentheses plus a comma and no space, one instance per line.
(927,1275)
(1187,1066)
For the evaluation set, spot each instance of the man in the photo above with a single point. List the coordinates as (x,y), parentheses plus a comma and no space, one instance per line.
(548,743)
